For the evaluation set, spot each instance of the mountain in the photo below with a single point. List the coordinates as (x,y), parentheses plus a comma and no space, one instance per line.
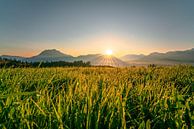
(182,56)
(88,57)
(51,56)
(54,55)
(131,57)
(171,57)
(168,58)
(108,61)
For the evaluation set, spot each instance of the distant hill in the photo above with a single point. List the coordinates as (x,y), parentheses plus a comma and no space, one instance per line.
(169,58)
(182,56)
(88,57)
(131,57)
(54,55)
(51,56)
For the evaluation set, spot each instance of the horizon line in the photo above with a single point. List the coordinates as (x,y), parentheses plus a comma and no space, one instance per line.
(94,53)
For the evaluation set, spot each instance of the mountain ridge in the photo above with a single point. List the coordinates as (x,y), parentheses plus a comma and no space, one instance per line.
(170,57)
(130,57)
(186,55)
(52,52)
(53,55)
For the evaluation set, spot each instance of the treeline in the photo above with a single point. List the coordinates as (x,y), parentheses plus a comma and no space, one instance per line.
(6,63)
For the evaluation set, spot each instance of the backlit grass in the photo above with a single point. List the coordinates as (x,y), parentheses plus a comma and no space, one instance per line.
(97,97)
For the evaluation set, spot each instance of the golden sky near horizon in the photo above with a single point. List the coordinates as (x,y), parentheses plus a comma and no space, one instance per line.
(95,45)
(90,27)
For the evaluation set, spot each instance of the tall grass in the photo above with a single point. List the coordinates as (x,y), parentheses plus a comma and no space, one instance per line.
(97,98)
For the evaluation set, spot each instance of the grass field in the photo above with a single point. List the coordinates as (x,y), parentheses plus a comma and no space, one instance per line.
(97,98)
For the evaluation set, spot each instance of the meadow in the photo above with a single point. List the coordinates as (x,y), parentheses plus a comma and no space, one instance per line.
(97,97)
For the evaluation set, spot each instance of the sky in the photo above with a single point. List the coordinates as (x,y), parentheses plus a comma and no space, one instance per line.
(80,27)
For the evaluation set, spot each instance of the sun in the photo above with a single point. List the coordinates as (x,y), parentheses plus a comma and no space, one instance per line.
(109,52)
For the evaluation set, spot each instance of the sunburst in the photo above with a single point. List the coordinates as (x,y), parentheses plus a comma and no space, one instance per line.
(109,52)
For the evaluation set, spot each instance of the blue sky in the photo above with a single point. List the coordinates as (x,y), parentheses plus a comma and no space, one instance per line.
(82,26)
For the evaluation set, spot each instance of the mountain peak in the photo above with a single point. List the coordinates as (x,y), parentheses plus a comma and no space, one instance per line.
(52,52)
(50,55)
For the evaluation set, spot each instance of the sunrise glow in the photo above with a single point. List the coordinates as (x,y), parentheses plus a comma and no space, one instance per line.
(109,52)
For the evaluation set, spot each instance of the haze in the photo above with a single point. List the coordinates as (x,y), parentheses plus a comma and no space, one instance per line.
(83,27)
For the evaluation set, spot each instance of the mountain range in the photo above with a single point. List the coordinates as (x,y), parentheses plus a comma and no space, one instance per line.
(130,57)
(54,55)
(168,58)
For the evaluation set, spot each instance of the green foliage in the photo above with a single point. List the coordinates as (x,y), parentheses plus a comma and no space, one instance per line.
(6,63)
(97,97)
